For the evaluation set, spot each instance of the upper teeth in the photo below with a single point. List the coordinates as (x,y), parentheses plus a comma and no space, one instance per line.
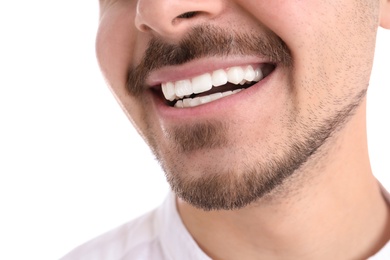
(202,83)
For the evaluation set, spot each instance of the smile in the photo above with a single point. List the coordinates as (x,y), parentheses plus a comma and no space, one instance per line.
(211,86)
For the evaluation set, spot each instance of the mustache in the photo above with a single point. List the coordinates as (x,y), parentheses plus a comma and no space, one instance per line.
(206,41)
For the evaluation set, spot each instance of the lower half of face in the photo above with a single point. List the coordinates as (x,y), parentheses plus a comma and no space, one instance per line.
(229,158)
(228,153)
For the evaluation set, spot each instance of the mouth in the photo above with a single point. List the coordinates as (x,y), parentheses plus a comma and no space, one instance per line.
(214,85)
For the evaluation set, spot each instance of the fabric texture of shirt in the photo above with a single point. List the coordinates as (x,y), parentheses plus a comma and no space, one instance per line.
(157,235)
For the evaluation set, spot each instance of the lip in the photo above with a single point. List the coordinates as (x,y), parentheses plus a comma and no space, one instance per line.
(216,108)
(198,67)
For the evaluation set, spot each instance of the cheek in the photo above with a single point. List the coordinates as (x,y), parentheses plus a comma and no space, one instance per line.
(331,42)
(117,44)
(114,45)
(287,19)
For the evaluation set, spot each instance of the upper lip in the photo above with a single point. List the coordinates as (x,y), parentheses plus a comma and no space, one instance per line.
(197,67)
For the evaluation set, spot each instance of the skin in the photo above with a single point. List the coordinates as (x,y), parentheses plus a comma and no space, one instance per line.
(330,207)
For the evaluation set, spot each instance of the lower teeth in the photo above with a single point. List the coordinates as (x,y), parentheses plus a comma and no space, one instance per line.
(193,102)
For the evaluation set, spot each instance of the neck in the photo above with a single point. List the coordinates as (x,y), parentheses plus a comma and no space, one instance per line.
(338,212)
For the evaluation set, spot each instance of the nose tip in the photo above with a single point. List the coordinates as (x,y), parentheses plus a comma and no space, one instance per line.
(173,17)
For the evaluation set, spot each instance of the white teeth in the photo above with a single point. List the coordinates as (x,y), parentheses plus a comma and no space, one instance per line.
(258,75)
(202,83)
(249,73)
(243,82)
(235,75)
(193,102)
(227,93)
(183,88)
(169,91)
(179,103)
(215,96)
(204,99)
(219,78)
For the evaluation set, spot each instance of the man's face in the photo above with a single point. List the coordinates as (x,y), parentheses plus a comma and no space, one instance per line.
(303,66)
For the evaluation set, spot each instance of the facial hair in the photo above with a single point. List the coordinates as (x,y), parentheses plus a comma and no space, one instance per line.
(227,189)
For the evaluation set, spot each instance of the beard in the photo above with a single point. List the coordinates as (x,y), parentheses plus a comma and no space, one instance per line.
(224,188)
(221,188)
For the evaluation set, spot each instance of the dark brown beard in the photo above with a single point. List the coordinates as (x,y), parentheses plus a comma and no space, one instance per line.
(234,190)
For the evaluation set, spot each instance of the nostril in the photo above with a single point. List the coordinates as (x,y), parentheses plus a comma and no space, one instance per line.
(187,15)
(173,18)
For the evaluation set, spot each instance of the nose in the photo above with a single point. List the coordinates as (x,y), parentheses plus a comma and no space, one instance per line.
(169,18)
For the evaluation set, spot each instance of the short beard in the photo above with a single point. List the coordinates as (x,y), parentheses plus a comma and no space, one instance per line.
(234,190)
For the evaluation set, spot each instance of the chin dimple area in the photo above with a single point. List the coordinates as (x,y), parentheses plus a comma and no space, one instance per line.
(212,86)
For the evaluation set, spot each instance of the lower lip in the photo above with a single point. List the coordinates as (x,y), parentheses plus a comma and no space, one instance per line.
(214,108)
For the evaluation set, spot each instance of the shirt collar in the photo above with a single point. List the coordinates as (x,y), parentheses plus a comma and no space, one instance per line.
(176,241)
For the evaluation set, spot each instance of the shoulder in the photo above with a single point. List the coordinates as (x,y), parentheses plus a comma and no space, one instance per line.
(137,238)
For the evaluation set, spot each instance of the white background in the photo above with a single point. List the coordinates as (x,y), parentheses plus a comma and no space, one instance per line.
(71,165)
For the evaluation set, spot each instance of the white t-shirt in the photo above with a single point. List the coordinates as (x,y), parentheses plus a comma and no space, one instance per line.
(157,235)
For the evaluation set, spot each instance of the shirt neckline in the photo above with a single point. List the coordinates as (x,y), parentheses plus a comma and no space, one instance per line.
(174,232)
